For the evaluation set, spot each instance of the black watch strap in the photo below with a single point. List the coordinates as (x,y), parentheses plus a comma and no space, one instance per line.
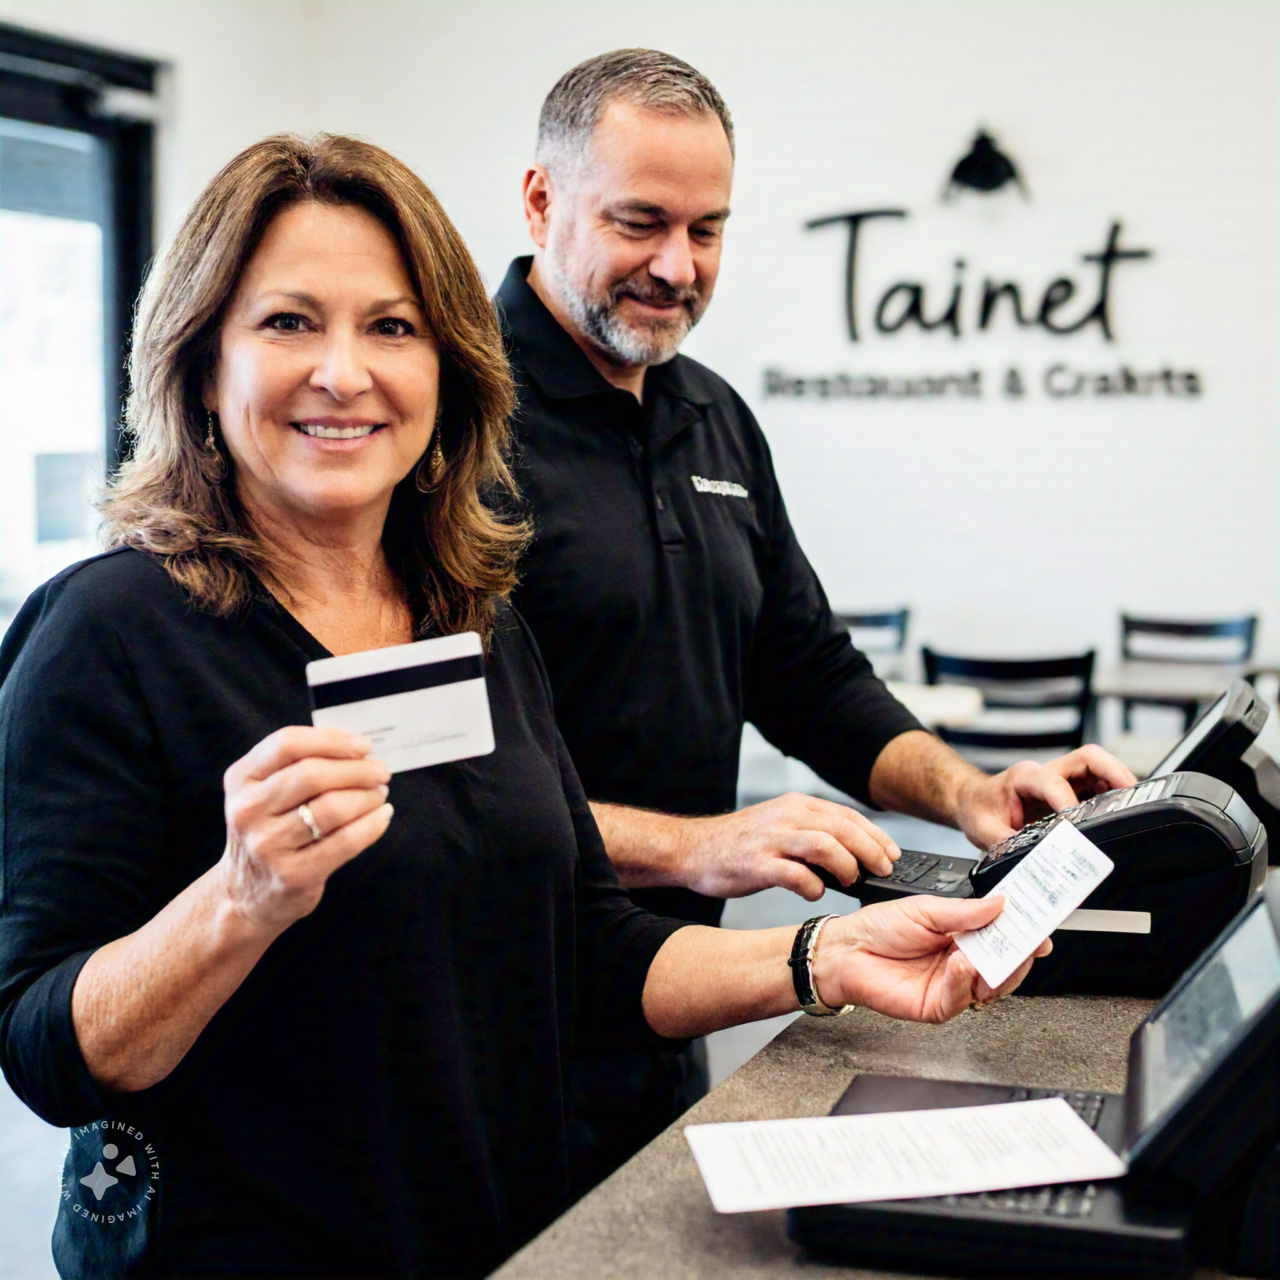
(802,952)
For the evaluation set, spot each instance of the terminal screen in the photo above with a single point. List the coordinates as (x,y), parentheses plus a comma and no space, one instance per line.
(1178,757)
(1191,1033)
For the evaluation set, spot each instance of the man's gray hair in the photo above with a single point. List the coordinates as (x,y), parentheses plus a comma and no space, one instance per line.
(643,77)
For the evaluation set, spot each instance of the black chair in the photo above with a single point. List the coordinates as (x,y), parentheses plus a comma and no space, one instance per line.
(1132,631)
(1018,689)
(882,635)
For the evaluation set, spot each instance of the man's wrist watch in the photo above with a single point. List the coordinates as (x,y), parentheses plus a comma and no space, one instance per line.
(803,950)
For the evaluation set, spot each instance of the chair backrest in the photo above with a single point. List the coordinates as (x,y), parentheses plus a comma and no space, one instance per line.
(1018,691)
(1169,640)
(889,628)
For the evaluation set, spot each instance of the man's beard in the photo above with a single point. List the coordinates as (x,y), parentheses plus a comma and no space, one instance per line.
(599,321)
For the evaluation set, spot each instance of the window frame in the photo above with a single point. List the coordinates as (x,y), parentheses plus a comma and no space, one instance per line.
(50,81)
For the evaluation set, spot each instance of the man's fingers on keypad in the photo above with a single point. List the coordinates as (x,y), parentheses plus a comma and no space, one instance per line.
(877,834)
(819,849)
(867,842)
(872,856)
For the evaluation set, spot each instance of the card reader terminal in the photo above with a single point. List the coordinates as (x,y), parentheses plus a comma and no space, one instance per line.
(1220,744)
(1148,813)
(952,877)
(1181,810)
(1188,853)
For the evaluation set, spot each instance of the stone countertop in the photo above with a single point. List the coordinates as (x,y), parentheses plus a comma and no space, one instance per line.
(652,1219)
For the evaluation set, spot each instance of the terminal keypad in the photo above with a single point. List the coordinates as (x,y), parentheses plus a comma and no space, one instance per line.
(1070,1200)
(911,866)
(928,872)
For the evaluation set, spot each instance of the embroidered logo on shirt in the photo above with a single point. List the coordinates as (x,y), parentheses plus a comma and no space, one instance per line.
(725,488)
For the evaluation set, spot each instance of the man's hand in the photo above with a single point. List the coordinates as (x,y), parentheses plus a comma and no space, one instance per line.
(989,809)
(900,959)
(766,845)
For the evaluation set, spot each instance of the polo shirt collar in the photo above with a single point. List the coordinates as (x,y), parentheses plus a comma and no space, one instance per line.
(557,363)
(550,355)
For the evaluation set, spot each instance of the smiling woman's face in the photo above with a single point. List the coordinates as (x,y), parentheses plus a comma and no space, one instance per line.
(327,381)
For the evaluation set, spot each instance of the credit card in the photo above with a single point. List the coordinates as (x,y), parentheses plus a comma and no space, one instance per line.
(419,704)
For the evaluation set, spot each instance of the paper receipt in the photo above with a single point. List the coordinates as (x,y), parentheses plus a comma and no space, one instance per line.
(1040,893)
(896,1155)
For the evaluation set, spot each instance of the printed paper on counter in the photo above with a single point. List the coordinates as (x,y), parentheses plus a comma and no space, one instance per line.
(897,1155)
(1039,894)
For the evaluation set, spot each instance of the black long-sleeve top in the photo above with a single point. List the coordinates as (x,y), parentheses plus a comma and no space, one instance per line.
(667,590)
(384,1093)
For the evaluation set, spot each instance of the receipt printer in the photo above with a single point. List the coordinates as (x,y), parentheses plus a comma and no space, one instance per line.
(1187,851)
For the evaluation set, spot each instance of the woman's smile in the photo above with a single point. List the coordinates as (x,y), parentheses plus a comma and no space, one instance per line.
(337,429)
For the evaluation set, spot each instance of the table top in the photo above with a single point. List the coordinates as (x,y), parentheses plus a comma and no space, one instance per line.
(1198,681)
(652,1219)
(951,704)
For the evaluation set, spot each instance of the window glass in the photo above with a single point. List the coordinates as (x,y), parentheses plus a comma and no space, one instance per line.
(53,240)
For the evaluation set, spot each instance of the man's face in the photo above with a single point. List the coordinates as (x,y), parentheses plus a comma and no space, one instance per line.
(633,238)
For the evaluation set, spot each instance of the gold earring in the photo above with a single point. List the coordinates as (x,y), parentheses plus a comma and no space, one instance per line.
(217,463)
(436,459)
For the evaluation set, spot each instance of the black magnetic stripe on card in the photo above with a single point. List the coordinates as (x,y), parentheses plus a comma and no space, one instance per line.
(427,675)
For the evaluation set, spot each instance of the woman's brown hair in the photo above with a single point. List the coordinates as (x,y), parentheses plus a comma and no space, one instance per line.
(454,547)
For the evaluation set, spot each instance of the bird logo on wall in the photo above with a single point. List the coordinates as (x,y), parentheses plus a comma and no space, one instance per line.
(984,169)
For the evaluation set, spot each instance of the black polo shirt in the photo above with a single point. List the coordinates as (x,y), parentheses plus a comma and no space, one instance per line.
(667,591)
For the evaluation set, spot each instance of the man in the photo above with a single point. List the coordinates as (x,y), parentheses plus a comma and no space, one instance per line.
(665,585)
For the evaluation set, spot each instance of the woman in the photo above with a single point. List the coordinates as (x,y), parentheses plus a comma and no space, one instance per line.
(328,1007)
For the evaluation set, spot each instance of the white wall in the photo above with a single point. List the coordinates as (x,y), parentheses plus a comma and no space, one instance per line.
(1009,526)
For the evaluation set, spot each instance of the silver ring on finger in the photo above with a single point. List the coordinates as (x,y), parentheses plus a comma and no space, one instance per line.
(309,821)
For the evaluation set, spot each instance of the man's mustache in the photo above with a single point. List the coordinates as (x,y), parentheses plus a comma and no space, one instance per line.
(655,292)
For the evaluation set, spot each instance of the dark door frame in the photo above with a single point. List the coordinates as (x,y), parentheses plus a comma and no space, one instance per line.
(50,81)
